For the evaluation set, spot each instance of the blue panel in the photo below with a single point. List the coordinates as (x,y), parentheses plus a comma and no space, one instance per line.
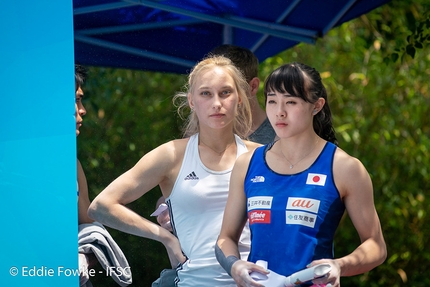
(38,207)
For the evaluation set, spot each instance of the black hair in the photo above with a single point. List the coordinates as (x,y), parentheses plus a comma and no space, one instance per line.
(243,58)
(80,75)
(302,81)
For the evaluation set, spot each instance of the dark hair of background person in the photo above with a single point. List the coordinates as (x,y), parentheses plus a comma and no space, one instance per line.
(80,75)
(241,57)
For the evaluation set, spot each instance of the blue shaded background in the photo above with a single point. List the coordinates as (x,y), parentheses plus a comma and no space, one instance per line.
(38,205)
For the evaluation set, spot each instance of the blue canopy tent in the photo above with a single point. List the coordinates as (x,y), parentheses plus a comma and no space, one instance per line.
(171,35)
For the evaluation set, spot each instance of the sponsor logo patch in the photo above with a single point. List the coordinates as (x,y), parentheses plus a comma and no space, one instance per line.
(258,178)
(260,202)
(259,209)
(302,211)
(305,204)
(259,216)
(301,218)
(191,176)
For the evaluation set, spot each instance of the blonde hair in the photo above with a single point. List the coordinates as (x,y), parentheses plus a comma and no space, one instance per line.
(243,120)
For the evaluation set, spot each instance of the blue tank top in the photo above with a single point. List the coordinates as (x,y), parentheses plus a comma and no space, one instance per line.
(292,218)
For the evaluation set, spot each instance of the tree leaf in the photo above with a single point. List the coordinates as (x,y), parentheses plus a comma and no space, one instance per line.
(418,45)
(410,50)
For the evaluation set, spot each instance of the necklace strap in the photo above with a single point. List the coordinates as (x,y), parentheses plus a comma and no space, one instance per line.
(215,151)
(302,158)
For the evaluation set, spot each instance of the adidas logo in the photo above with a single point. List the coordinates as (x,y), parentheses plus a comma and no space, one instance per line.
(258,178)
(191,176)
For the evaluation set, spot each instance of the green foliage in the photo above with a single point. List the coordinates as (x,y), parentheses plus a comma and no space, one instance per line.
(411,33)
(380,113)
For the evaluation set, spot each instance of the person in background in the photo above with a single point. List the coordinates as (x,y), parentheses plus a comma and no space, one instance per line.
(193,174)
(80,111)
(246,61)
(89,232)
(295,191)
(85,260)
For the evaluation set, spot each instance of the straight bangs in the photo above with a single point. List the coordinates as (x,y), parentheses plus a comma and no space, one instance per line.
(287,79)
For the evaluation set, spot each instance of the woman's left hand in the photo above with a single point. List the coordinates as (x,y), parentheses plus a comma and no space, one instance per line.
(332,278)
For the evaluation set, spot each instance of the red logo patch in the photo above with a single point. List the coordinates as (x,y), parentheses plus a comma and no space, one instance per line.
(259,216)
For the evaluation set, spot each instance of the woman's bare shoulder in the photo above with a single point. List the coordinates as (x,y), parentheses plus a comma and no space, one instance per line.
(345,162)
(251,145)
(176,145)
(172,148)
(349,173)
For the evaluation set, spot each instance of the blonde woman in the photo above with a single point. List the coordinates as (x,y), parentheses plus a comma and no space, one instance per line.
(193,174)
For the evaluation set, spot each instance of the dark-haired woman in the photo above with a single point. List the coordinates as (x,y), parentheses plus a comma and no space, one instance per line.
(295,190)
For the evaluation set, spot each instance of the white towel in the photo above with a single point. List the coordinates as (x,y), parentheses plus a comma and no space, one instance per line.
(94,238)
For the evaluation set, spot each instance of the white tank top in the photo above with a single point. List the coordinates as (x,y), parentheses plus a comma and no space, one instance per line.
(197,203)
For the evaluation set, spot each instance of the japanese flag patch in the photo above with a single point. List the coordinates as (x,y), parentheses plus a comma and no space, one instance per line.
(316,179)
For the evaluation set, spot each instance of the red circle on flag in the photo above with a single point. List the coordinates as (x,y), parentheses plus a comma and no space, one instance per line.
(316,178)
